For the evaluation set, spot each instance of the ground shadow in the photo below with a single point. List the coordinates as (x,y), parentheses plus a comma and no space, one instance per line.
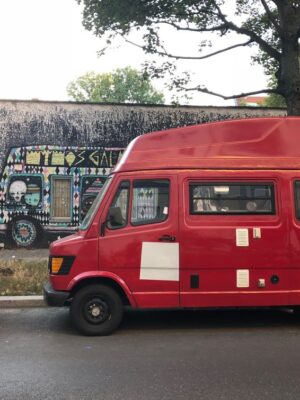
(209,319)
(57,320)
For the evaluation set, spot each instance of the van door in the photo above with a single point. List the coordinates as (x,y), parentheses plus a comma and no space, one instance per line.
(234,241)
(294,190)
(139,243)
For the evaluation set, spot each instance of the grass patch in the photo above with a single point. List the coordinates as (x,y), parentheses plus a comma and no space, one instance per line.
(22,277)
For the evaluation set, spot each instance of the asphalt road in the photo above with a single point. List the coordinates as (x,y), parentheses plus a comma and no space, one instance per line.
(154,355)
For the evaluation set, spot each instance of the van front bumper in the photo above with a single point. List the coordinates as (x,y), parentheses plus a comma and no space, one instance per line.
(53,297)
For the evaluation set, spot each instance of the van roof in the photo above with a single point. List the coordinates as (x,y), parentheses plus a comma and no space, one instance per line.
(260,143)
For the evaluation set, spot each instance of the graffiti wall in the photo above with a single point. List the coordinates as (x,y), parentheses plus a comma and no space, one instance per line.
(24,123)
(51,187)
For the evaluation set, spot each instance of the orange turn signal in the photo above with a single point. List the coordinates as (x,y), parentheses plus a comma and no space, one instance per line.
(56,263)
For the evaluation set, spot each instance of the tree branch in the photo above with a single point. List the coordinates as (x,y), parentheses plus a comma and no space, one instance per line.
(262,43)
(236,96)
(270,16)
(180,28)
(177,57)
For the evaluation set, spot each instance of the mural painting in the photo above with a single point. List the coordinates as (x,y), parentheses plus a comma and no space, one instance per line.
(47,190)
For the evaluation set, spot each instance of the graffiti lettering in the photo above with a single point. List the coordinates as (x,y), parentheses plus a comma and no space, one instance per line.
(46,154)
(33,158)
(102,158)
(70,158)
(81,156)
(94,159)
(58,158)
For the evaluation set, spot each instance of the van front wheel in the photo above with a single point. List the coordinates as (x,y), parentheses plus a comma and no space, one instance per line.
(96,310)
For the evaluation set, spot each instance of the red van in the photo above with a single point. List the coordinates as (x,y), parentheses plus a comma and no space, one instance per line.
(202,216)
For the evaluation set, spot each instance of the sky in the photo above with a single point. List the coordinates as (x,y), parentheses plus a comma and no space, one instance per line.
(44,46)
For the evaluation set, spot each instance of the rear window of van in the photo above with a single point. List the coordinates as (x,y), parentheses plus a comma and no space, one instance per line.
(232,198)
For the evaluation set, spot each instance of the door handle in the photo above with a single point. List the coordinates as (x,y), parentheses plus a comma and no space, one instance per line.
(167,238)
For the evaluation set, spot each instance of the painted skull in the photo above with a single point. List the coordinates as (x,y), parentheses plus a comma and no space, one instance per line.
(17,190)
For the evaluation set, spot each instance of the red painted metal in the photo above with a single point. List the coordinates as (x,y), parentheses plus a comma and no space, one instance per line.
(259,150)
(241,144)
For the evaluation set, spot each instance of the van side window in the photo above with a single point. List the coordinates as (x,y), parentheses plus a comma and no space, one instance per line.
(150,201)
(232,198)
(118,210)
(297,198)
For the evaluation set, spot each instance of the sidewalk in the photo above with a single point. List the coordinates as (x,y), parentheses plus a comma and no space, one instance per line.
(27,255)
(21,301)
(23,254)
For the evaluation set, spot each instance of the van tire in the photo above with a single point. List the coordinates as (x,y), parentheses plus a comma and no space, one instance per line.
(96,310)
(34,229)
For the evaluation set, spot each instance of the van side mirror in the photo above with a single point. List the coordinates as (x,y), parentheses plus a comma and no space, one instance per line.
(114,218)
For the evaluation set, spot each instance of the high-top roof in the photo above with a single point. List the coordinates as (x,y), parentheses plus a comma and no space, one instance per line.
(261,143)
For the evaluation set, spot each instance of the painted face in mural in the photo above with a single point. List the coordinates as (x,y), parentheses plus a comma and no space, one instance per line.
(17,190)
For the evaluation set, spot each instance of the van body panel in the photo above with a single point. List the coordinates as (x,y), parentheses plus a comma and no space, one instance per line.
(85,253)
(106,275)
(258,143)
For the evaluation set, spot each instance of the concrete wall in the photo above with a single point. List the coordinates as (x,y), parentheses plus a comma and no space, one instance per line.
(35,122)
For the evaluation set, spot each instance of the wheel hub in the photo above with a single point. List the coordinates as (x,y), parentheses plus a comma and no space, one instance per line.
(96,311)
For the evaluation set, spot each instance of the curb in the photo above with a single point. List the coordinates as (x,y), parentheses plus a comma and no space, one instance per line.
(21,301)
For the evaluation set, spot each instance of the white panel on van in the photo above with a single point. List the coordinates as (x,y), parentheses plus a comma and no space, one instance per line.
(242,237)
(242,278)
(160,261)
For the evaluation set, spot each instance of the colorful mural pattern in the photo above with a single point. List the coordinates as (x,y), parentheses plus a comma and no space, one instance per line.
(24,191)
(72,157)
(25,184)
(90,187)
(24,233)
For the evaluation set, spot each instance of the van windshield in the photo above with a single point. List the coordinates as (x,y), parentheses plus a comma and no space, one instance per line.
(94,207)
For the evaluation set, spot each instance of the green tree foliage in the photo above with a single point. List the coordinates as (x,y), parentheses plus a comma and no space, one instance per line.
(124,85)
(272,26)
(275,100)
